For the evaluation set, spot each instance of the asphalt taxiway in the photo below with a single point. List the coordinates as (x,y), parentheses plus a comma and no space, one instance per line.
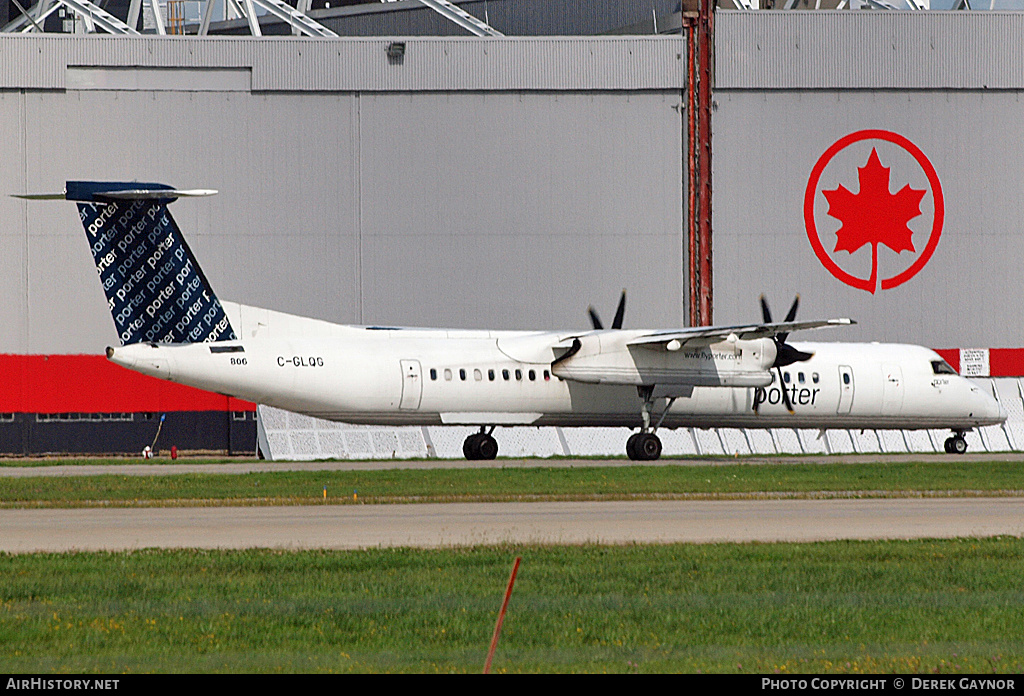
(459,524)
(462,524)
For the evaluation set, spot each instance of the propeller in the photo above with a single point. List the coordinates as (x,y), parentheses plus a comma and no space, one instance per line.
(620,312)
(785,354)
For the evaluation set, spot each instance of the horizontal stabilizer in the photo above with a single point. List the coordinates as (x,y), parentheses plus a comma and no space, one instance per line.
(104,192)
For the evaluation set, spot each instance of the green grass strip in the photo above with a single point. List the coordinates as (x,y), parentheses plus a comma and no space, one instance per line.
(544,483)
(840,607)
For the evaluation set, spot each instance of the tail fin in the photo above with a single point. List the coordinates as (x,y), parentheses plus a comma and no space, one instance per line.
(155,289)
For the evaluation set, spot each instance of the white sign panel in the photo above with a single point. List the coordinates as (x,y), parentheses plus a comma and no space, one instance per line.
(974,362)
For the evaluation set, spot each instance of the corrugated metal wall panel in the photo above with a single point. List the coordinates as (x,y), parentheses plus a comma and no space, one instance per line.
(468,209)
(869,50)
(430,64)
(511,17)
(767,143)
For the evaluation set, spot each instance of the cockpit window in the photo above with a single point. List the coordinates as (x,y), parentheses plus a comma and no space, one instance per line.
(941,367)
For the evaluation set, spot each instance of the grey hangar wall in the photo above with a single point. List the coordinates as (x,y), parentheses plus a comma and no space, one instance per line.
(510,183)
(790,85)
(476,184)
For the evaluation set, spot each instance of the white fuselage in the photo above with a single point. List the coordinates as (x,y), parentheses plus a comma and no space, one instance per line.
(379,375)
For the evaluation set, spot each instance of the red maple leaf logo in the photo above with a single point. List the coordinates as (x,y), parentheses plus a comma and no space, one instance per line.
(874,215)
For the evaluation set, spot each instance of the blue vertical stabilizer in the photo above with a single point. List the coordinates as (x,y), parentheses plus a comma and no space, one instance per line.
(155,289)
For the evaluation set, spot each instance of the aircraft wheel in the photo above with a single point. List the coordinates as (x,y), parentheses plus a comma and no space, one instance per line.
(480,446)
(959,445)
(631,447)
(648,447)
(486,447)
(471,447)
(948,445)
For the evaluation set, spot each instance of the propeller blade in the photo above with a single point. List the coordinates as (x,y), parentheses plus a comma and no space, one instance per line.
(790,316)
(787,355)
(620,312)
(766,314)
(594,319)
(785,392)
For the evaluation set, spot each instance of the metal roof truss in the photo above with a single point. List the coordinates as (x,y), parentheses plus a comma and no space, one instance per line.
(96,18)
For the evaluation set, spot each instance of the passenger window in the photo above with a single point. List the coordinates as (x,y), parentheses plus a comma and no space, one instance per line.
(462,374)
(814,377)
(477,375)
(433,374)
(785,377)
(490,375)
(846,378)
(800,377)
(547,375)
(519,375)
(447,375)
(504,375)
(533,375)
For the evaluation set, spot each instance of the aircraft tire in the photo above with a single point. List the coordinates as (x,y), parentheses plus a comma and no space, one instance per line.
(486,447)
(955,445)
(648,447)
(471,447)
(959,445)
(631,447)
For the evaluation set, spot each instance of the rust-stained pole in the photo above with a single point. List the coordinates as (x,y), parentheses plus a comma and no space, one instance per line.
(699,28)
(705,45)
(692,249)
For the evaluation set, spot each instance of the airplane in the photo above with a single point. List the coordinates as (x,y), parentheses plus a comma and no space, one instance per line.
(172,326)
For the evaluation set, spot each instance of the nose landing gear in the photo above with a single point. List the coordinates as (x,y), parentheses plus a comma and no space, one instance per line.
(481,445)
(956,443)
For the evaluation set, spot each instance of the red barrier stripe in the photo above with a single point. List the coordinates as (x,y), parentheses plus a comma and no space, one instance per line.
(93,384)
(1002,362)
(950,355)
(1006,362)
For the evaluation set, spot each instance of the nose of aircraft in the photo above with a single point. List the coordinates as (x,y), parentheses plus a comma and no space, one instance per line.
(986,409)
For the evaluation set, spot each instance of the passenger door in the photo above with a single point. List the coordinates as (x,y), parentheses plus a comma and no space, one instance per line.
(412,385)
(845,389)
(892,389)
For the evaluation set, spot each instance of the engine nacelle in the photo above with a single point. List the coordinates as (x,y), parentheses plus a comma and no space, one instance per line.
(606,358)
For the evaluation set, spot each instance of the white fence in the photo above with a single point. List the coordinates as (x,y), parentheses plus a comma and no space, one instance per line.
(283,435)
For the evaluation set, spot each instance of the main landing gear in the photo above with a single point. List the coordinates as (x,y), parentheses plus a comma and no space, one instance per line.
(481,445)
(645,446)
(956,443)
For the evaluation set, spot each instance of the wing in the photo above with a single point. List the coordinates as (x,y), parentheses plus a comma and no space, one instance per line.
(706,335)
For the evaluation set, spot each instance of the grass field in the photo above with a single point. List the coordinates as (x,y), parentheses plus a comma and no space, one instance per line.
(950,606)
(947,606)
(951,477)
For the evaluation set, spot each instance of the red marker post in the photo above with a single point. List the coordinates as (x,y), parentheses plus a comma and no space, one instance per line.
(501,616)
